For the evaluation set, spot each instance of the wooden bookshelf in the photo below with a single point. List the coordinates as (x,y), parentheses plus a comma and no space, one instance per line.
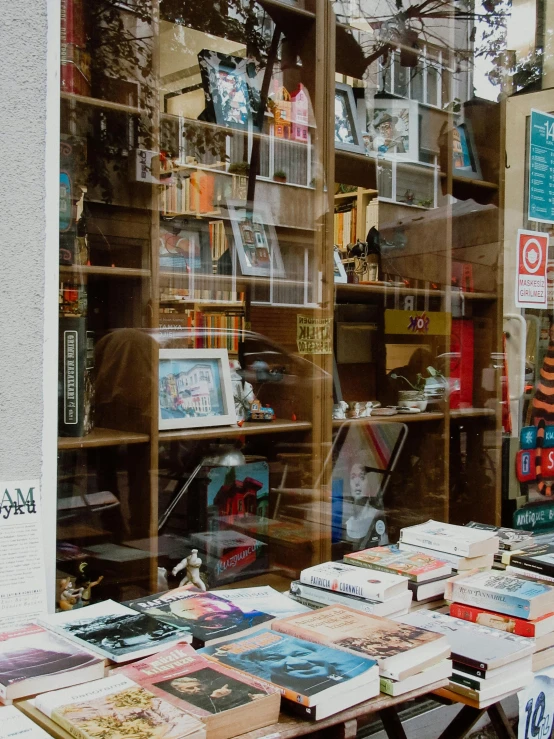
(249,428)
(99,437)
(425,416)
(92,270)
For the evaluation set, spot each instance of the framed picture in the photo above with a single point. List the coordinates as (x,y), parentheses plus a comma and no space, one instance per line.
(339,273)
(230,88)
(465,162)
(184,247)
(255,239)
(392,129)
(194,389)
(348,136)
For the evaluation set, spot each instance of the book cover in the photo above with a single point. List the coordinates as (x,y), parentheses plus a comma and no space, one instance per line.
(32,659)
(536,559)
(456,561)
(117,707)
(509,538)
(506,594)
(205,616)
(352,580)
(471,644)
(416,566)
(15,725)
(304,672)
(262,598)
(511,624)
(330,598)
(433,674)
(75,386)
(400,650)
(450,538)
(114,631)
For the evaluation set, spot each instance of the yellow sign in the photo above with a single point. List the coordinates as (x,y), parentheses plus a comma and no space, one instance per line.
(418,323)
(313,335)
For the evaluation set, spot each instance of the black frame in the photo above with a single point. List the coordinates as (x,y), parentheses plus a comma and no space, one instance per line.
(346,93)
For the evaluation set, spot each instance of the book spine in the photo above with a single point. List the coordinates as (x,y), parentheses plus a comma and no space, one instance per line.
(348,586)
(533,565)
(463,690)
(469,669)
(517,626)
(469,682)
(437,543)
(386,685)
(330,598)
(76,359)
(380,568)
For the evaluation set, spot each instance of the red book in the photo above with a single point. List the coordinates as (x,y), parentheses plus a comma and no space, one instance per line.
(511,624)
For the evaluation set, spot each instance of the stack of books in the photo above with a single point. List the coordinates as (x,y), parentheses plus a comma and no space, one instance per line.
(427,575)
(488,664)
(337,583)
(534,562)
(508,603)
(461,547)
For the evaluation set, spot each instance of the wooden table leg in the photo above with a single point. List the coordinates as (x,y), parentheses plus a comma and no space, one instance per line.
(391,722)
(462,723)
(500,722)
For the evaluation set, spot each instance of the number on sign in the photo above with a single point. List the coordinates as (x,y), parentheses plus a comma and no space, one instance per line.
(549,127)
(535,721)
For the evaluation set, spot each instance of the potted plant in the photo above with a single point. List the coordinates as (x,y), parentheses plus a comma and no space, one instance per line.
(241,168)
(279,176)
(416,398)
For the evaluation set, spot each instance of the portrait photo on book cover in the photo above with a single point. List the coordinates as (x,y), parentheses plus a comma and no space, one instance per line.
(210,691)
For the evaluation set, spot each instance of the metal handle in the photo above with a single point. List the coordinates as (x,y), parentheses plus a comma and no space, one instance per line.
(523,328)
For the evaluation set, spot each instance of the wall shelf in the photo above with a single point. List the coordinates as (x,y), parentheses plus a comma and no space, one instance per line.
(399,418)
(85,269)
(98,103)
(252,428)
(100,437)
(347,291)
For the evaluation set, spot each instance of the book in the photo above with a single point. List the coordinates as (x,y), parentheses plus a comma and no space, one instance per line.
(114,631)
(75,386)
(324,597)
(399,650)
(529,575)
(116,706)
(351,580)
(543,659)
(503,593)
(322,679)
(522,665)
(416,566)
(509,539)
(519,626)
(433,674)
(15,725)
(457,562)
(446,537)
(538,559)
(227,702)
(33,659)
(428,590)
(263,597)
(207,617)
(474,645)
(481,690)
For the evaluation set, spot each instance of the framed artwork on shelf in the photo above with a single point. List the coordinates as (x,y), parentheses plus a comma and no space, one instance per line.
(339,272)
(348,136)
(465,162)
(255,239)
(194,389)
(230,88)
(392,129)
(184,247)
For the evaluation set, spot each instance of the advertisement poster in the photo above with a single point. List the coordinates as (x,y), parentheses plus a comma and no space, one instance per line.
(536,707)
(541,167)
(313,335)
(532,260)
(23,573)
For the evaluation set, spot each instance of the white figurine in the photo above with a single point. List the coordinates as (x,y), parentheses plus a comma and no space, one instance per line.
(243,392)
(192,564)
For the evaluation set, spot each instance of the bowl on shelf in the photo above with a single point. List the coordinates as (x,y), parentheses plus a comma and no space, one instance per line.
(412,399)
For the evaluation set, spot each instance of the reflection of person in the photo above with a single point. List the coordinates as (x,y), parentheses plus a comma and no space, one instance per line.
(387,137)
(366,523)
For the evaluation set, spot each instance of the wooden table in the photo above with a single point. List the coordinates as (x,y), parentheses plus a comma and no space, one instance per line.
(462,724)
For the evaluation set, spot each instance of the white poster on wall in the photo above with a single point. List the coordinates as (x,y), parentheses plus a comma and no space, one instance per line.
(22,567)
(536,707)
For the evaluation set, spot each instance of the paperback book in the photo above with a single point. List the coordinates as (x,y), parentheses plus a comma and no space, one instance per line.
(15,725)
(351,580)
(506,594)
(400,650)
(509,539)
(539,559)
(519,626)
(424,591)
(488,690)
(313,680)
(446,537)
(520,665)
(416,566)
(456,561)
(322,597)
(227,702)
(441,671)
(33,659)
(114,631)
(116,706)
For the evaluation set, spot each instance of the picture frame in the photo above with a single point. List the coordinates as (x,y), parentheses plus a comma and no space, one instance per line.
(194,389)
(339,273)
(184,246)
(393,129)
(465,161)
(255,239)
(230,89)
(348,136)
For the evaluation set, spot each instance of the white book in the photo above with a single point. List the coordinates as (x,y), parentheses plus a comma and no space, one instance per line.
(491,689)
(331,598)
(532,574)
(520,665)
(15,725)
(456,560)
(352,580)
(433,674)
(446,537)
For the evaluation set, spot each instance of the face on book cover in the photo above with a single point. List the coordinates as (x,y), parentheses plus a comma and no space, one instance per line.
(210,613)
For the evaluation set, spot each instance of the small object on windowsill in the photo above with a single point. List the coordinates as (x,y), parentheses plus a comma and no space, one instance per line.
(192,565)
(384,412)
(70,596)
(293,417)
(259,412)
(405,409)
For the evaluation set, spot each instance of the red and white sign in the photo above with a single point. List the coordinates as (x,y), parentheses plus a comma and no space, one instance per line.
(532,257)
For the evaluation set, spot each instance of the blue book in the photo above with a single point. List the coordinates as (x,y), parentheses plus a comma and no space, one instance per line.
(513,596)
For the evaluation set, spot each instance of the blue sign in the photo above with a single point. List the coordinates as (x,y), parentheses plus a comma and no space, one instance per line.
(541,167)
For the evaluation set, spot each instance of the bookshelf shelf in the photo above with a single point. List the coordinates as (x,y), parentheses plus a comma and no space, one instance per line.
(98,103)
(345,292)
(100,437)
(252,428)
(86,269)
(399,418)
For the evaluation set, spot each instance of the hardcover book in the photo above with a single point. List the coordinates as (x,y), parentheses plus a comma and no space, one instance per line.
(509,538)
(114,631)
(207,617)
(417,566)
(401,603)
(306,674)
(400,650)
(351,580)
(519,626)
(116,707)
(456,561)
(446,537)
(15,725)
(473,645)
(227,702)
(506,594)
(33,659)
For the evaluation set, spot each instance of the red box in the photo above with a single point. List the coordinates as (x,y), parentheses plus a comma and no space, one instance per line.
(461,363)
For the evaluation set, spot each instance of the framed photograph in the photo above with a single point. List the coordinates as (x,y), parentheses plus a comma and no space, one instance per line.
(195,389)
(339,273)
(348,136)
(184,247)
(465,162)
(255,239)
(392,129)
(230,88)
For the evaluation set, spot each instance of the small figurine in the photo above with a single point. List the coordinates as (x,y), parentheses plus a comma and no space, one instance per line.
(243,392)
(162,585)
(69,596)
(339,411)
(259,412)
(192,564)
(85,585)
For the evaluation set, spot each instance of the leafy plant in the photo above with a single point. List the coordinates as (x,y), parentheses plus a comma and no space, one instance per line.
(242,168)
(420,381)
(280,174)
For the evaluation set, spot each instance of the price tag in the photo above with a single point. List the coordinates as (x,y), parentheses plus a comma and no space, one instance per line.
(536,707)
